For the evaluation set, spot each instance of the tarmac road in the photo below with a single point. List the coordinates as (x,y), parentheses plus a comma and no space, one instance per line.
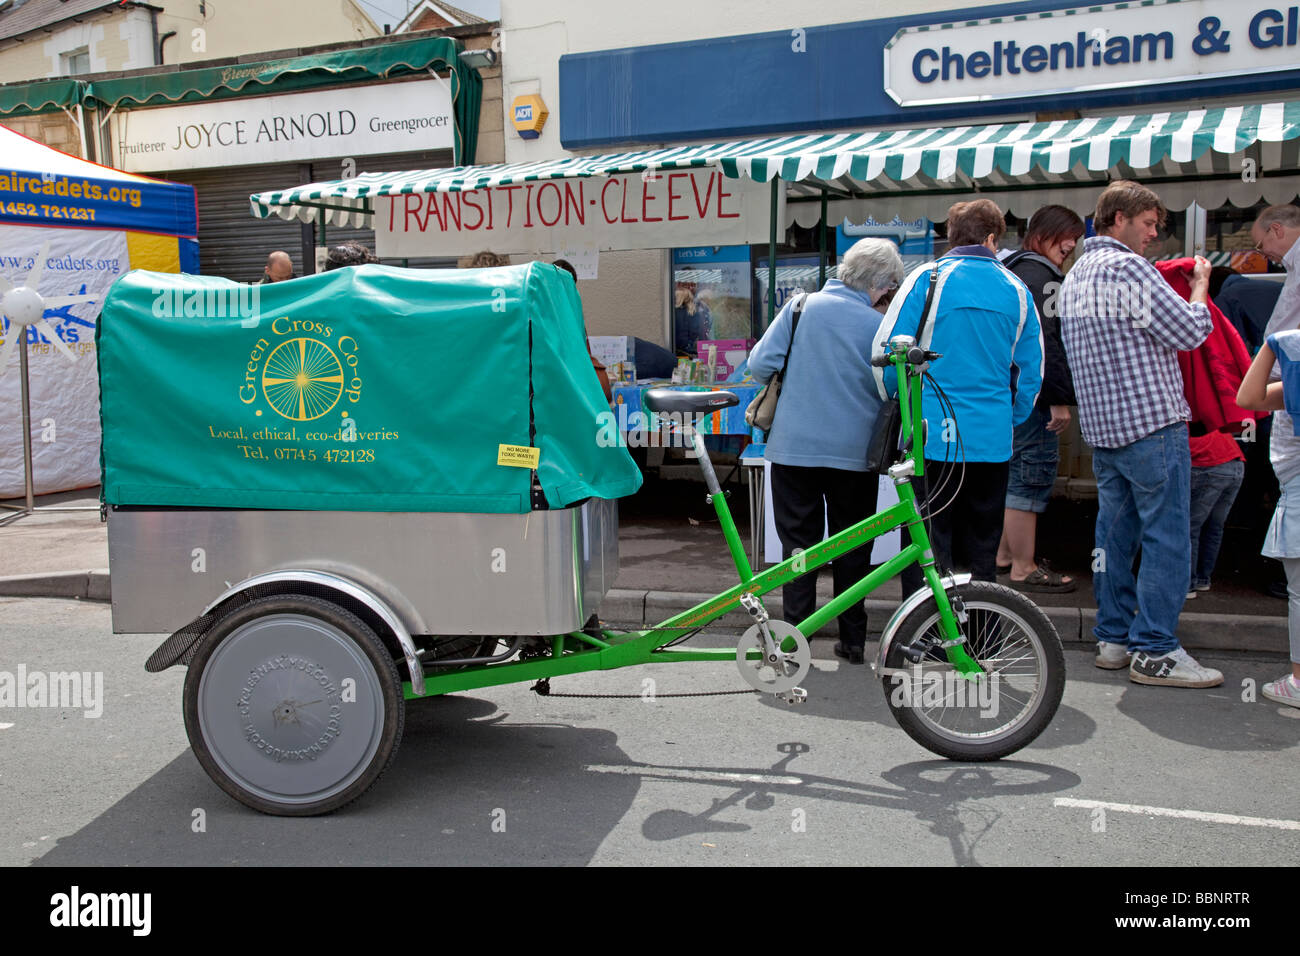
(501,776)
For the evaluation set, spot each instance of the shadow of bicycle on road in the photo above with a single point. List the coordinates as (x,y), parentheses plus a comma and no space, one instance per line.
(933,791)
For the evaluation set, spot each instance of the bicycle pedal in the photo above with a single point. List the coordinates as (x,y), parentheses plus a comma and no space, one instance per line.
(795,695)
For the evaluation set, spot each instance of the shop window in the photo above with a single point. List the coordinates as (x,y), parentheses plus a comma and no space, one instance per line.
(794,274)
(916,239)
(797,268)
(1228,241)
(711,295)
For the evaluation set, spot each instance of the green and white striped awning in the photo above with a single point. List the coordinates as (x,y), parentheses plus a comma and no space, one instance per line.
(1236,154)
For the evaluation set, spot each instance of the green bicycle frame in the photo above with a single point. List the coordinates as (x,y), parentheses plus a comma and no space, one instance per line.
(579,651)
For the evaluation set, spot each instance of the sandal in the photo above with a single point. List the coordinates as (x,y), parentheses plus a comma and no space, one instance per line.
(1006,568)
(1044,581)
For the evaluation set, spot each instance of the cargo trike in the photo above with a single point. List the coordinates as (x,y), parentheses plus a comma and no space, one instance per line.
(379,485)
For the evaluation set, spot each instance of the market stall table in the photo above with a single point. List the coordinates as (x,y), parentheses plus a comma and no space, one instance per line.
(632,417)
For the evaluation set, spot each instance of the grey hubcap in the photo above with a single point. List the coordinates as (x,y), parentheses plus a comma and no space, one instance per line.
(291,709)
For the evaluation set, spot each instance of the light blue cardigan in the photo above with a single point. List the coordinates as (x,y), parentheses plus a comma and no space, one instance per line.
(828,406)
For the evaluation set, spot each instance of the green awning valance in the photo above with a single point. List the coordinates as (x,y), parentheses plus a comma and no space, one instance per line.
(293,74)
(25,99)
(895,165)
(278,76)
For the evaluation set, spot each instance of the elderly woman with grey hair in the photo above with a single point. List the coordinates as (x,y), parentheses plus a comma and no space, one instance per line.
(824,422)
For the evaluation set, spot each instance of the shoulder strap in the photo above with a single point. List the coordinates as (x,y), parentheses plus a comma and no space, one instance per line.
(795,312)
(1015,257)
(929,299)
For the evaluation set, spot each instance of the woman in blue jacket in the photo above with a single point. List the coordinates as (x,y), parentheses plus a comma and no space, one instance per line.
(984,324)
(824,421)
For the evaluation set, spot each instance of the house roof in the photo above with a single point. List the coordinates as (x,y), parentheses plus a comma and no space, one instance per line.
(49,14)
(455,15)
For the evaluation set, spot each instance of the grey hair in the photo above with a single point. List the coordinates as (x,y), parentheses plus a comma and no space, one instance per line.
(1285,213)
(872,266)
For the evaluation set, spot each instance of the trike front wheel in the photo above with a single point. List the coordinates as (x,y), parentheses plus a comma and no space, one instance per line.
(995,713)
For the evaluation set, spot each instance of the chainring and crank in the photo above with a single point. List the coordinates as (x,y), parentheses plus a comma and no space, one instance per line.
(776,671)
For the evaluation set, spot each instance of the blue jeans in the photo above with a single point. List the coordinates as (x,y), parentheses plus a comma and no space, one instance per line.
(1142,501)
(1214,489)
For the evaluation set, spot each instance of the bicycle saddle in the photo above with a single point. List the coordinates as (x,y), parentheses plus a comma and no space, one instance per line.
(671,400)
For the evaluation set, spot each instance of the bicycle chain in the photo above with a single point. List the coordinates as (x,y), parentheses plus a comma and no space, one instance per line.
(543,689)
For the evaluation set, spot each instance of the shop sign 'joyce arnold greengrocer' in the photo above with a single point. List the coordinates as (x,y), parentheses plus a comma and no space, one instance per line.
(1091,48)
(356,121)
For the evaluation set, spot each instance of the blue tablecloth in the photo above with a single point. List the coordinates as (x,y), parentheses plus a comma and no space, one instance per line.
(726,421)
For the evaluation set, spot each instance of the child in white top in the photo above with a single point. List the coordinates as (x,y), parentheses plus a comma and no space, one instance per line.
(1283,538)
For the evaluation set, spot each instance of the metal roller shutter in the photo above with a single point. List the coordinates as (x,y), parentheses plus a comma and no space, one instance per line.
(233,244)
(328,170)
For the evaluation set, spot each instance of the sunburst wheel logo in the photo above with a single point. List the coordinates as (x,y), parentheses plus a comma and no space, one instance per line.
(302,379)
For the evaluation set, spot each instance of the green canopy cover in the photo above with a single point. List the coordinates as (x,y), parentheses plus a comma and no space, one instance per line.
(369,388)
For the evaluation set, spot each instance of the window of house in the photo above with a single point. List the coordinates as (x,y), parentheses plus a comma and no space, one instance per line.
(76,62)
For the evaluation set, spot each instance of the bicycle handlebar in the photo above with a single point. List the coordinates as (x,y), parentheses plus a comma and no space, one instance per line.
(915,356)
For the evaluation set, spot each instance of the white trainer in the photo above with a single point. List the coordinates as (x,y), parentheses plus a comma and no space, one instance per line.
(1285,690)
(1175,669)
(1112,656)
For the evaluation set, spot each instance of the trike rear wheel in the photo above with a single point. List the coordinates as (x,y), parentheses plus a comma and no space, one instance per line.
(996,713)
(293,705)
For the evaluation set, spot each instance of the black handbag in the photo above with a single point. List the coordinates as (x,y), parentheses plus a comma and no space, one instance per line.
(884,440)
(883,450)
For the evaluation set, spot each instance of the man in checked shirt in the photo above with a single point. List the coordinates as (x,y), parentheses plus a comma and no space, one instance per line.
(1123,327)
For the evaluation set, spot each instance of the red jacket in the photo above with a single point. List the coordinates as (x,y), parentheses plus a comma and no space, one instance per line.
(1212,372)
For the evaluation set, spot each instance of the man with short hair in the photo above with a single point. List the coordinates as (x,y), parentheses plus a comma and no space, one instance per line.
(1123,327)
(279,267)
(1277,234)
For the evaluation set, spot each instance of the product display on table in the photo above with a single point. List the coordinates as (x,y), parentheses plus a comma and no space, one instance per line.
(370,388)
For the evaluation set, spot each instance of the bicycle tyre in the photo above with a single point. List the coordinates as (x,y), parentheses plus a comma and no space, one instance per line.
(252,726)
(1011,638)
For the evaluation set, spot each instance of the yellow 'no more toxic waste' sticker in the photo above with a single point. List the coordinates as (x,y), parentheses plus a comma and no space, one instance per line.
(518,456)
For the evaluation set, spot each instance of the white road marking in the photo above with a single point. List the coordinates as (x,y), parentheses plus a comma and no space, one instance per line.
(1201,815)
(5,726)
(683,773)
